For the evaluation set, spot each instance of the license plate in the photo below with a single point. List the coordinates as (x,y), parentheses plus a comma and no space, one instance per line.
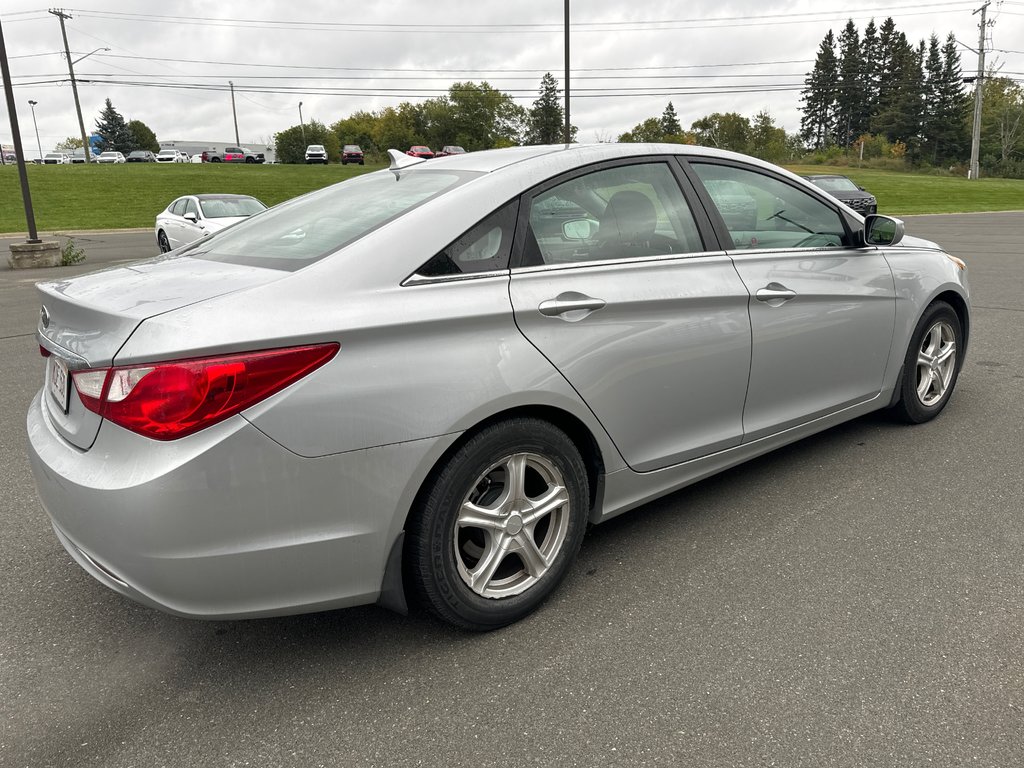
(59,382)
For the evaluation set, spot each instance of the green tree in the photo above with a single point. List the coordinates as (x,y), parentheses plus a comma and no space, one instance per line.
(650,130)
(900,106)
(142,136)
(767,140)
(818,124)
(727,130)
(70,144)
(290,144)
(485,117)
(851,114)
(546,118)
(670,121)
(357,128)
(113,131)
(870,58)
(950,134)
(1002,120)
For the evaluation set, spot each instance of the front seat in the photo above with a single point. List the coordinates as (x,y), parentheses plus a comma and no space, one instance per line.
(626,228)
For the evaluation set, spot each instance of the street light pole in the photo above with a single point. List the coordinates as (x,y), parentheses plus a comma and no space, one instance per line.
(5,72)
(59,13)
(234,114)
(39,144)
(568,125)
(301,124)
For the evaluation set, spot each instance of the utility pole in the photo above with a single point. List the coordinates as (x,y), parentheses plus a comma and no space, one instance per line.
(302,124)
(233,113)
(30,218)
(979,86)
(59,13)
(567,123)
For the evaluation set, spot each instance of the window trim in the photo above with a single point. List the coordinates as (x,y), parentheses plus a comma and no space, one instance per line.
(725,236)
(704,226)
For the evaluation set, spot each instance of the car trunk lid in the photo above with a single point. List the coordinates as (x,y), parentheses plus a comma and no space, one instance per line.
(85,320)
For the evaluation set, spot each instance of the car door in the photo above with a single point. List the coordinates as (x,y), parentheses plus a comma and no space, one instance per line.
(822,309)
(171,222)
(621,286)
(192,230)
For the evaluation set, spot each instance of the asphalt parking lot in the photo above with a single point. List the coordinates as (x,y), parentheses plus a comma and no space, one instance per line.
(856,599)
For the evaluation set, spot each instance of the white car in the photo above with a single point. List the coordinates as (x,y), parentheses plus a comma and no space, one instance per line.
(192,217)
(171,156)
(315,153)
(57,158)
(110,157)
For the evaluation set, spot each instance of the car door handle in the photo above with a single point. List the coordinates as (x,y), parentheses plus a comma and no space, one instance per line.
(775,294)
(570,302)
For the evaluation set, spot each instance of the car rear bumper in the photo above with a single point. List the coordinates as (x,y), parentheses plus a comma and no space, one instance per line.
(225,523)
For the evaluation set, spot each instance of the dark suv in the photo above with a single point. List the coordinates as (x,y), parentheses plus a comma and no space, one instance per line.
(351,153)
(845,190)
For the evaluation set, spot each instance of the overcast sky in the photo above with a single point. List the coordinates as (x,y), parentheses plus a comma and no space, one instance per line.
(628,59)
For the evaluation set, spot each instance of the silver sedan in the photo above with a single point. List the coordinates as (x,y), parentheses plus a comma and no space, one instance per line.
(194,217)
(425,382)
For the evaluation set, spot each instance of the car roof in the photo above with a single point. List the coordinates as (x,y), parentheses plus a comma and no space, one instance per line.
(826,176)
(220,196)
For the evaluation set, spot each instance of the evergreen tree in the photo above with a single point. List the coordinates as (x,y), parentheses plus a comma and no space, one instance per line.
(546,119)
(851,119)
(931,128)
(818,124)
(898,117)
(670,121)
(113,131)
(870,55)
(767,140)
(953,107)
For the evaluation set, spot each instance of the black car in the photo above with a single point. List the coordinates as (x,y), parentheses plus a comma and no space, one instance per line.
(845,190)
(141,156)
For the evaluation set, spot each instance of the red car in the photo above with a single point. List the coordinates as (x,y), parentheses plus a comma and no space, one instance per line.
(424,152)
(450,149)
(351,153)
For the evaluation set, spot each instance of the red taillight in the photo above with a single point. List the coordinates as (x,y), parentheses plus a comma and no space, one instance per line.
(169,400)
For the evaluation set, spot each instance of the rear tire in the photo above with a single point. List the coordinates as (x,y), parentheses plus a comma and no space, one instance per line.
(931,366)
(499,526)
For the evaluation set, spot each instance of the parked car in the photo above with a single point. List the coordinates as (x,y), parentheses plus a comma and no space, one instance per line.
(141,156)
(351,153)
(847,190)
(193,217)
(229,155)
(315,153)
(78,156)
(171,156)
(450,149)
(424,153)
(57,158)
(10,157)
(110,157)
(429,380)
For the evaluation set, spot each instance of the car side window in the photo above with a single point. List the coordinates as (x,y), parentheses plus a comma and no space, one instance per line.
(190,207)
(761,211)
(627,211)
(178,207)
(485,247)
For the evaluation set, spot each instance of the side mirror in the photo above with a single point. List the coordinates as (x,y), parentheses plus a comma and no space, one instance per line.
(579,229)
(882,230)
(191,216)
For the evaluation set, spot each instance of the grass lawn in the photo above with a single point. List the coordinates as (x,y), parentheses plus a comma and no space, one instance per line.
(902,194)
(67,197)
(94,196)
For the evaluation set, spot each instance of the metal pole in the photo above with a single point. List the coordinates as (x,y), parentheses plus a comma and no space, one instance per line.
(33,236)
(301,124)
(39,144)
(568,135)
(233,113)
(59,13)
(979,85)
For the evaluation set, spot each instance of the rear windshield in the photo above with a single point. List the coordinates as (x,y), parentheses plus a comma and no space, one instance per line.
(304,230)
(222,208)
(351,148)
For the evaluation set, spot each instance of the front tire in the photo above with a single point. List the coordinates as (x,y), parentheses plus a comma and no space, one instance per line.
(932,365)
(499,526)
(162,242)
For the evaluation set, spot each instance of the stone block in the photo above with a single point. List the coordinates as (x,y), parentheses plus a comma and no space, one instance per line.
(35,255)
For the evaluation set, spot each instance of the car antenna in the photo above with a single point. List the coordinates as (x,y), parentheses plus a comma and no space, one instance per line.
(400,161)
